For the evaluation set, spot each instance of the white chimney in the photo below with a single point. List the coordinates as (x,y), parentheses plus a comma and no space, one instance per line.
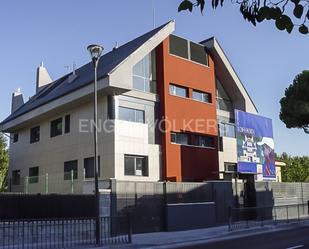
(42,77)
(17,100)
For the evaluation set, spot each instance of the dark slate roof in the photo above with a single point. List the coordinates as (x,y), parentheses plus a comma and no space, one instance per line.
(62,87)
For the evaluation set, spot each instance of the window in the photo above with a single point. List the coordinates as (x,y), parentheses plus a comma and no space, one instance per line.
(89,167)
(199,140)
(34,175)
(35,134)
(56,127)
(144,74)
(15,137)
(135,165)
(178,91)
(201,96)
(198,53)
(205,141)
(131,115)
(223,100)
(179,138)
(111,107)
(67,124)
(188,50)
(70,168)
(16,177)
(179,46)
(227,130)
(230,167)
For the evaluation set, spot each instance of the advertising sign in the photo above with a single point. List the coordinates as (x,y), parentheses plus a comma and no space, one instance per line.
(255,145)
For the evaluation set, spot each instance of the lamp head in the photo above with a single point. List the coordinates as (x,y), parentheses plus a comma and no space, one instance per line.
(95,52)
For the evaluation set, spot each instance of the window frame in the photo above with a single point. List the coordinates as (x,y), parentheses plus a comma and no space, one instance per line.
(152,79)
(33,177)
(135,114)
(174,51)
(224,125)
(203,95)
(173,90)
(176,135)
(189,52)
(99,167)
(67,124)
(53,124)
(75,171)
(198,142)
(206,64)
(35,134)
(145,167)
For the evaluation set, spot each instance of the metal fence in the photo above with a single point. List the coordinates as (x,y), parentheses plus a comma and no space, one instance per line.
(240,218)
(63,233)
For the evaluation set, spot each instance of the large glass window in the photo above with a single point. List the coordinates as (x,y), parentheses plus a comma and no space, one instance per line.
(89,167)
(70,167)
(34,175)
(179,138)
(144,74)
(178,91)
(56,127)
(132,115)
(35,134)
(135,165)
(188,50)
(179,46)
(198,53)
(223,100)
(201,96)
(227,130)
(16,177)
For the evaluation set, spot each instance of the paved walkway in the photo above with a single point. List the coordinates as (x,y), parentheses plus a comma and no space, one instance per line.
(190,237)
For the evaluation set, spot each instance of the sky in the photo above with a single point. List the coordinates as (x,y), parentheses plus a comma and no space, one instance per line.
(57,32)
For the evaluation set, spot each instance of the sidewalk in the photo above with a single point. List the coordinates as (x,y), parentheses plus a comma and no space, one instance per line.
(192,237)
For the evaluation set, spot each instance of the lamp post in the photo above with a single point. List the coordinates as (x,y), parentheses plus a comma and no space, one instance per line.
(95,53)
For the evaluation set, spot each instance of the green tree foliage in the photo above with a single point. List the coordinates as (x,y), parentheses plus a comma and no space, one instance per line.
(287,14)
(296,169)
(3,163)
(295,105)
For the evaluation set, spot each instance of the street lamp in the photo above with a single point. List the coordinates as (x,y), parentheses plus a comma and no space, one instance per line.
(95,53)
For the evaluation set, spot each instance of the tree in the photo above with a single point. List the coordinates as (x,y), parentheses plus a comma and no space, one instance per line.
(3,163)
(296,169)
(295,105)
(256,11)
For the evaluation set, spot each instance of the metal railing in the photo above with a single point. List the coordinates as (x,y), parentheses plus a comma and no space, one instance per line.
(259,216)
(62,233)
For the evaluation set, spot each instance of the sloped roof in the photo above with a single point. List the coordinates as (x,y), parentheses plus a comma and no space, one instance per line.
(61,87)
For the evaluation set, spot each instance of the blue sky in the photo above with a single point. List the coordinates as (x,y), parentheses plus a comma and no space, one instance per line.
(58,32)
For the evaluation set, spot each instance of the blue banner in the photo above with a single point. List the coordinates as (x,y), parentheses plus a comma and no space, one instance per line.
(255,145)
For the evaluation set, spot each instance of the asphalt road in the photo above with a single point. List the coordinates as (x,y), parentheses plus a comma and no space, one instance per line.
(288,239)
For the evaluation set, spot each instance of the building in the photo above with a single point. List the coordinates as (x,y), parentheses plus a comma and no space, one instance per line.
(166,112)
(279,164)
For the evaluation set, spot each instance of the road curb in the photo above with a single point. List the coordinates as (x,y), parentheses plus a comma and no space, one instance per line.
(231,235)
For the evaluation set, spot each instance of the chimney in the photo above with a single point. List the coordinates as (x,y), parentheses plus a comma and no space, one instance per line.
(17,100)
(42,77)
